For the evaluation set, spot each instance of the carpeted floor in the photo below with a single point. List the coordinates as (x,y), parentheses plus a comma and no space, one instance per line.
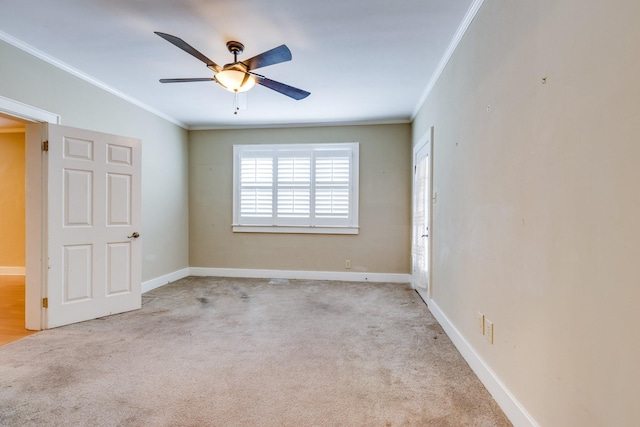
(208,351)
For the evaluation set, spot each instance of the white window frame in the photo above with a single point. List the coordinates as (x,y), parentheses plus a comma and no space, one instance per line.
(313,224)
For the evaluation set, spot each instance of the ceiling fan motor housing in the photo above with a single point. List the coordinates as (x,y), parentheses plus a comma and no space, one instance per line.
(236,48)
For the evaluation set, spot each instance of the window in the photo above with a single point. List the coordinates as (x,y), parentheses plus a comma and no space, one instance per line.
(296,188)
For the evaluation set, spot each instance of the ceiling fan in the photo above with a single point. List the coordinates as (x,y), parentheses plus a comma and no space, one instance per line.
(238,76)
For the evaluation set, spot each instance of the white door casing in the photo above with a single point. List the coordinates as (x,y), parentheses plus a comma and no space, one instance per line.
(421,227)
(93,212)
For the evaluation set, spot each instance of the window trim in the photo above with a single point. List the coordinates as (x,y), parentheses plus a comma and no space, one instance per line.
(251,227)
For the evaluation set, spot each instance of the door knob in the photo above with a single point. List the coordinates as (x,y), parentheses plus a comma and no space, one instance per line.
(135,235)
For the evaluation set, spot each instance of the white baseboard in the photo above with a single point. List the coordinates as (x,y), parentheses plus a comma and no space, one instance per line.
(152,284)
(12,271)
(509,404)
(302,275)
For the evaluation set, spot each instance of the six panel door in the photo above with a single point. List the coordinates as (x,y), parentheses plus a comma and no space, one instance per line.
(94,215)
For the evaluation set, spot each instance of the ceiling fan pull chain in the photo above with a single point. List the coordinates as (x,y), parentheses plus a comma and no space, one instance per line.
(236,105)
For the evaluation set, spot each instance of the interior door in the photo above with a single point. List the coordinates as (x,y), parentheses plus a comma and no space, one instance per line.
(93,223)
(420,246)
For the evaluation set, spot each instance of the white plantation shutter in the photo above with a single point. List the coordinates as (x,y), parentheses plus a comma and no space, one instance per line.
(256,193)
(301,188)
(294,184)
(332,184)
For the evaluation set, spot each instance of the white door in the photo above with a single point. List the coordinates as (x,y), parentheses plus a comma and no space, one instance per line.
(421,219)
(93,221)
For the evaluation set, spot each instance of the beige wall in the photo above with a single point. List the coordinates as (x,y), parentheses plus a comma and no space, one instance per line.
(383,243)
(164,148)
(536,221)
(12,204)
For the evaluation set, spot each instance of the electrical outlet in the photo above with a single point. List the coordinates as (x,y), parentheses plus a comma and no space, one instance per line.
(347,263)
(488,330)
(481,322)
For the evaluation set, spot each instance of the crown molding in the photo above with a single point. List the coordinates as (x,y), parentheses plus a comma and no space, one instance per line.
(69,69)
(304,125)
(462,29)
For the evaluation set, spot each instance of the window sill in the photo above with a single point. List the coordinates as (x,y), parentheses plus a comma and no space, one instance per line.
(293,230)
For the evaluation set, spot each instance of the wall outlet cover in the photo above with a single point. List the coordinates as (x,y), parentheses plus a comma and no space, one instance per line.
(488,330)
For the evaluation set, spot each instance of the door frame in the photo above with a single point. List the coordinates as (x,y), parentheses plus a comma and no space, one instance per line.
(34,199)
(427,138)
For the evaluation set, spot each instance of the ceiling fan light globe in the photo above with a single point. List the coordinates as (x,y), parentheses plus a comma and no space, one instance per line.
(235,80)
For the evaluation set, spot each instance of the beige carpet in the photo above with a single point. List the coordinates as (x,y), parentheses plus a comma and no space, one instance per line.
(244,352)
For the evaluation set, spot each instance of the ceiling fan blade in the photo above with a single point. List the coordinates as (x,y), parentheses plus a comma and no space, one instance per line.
(195,79)
(176,41)
(284,89)
(274,56)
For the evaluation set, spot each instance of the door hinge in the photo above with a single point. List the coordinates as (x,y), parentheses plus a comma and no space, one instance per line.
(45,302)
(45,146)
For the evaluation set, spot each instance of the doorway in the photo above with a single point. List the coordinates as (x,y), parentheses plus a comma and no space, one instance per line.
(15,113)
(12,229)
(421,227)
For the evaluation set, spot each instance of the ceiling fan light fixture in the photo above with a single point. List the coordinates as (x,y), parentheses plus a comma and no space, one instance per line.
(235,80)
(238,76)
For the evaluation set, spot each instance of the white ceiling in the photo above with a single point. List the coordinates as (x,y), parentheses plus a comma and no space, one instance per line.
(362,60)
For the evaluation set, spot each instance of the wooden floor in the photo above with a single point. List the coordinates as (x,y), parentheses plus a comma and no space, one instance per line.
(12,309)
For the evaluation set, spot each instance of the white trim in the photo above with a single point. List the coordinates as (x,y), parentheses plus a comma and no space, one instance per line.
(34,203)
(462,29)
(513,409)
(35,223)
(426,139)
(11,271)
(275,274)
(26,112)
(302,275)
(400,121)
(69,69)
(152,284)
(293,230)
